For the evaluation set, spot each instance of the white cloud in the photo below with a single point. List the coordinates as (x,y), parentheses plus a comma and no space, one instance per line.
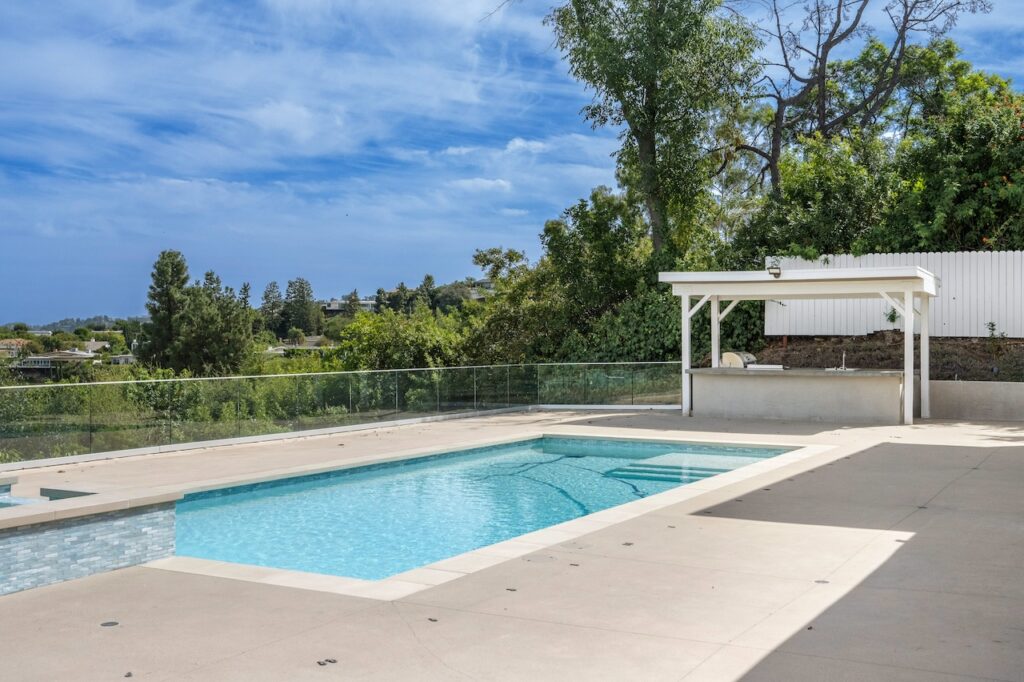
(481,184)
(518,144)
(458,150)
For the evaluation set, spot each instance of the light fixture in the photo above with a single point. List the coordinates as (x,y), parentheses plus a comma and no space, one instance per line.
(774,269)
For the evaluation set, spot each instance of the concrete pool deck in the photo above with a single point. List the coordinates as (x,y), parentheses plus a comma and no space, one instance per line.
(894,553)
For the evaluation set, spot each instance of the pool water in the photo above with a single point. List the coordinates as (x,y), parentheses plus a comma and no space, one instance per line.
(375,521)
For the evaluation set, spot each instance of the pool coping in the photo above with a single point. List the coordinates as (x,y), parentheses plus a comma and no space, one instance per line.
(452,568)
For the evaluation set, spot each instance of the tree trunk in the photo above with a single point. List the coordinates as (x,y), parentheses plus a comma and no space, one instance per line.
(648,156)
(775,153)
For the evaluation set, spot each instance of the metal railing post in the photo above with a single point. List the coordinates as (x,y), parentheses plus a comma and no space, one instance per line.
(508,386)
(238,408)
(474,389)
(89,401)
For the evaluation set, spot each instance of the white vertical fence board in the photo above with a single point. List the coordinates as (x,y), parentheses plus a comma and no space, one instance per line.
(976,288)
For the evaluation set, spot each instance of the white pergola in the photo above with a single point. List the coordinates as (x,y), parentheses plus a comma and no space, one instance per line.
(907,289)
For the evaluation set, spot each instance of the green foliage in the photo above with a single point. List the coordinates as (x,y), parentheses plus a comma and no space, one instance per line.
(660,71)
(214,330)
(833,191)
(390,340)
(165,305)
(300,308)
(272,310)
(204,328)
(296,337)
(961,184)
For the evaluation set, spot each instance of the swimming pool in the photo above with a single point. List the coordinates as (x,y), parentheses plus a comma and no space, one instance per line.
(374,521)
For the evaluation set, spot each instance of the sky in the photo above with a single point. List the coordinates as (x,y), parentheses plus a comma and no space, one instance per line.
(356,143)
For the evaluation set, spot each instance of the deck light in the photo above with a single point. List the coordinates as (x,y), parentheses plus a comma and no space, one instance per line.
(774,269)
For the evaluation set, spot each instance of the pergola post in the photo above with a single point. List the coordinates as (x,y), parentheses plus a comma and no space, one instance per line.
(926,407)
(716,333)
(908,357)
(687,404)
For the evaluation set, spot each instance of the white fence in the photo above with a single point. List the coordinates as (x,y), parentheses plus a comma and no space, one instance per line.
(976,288)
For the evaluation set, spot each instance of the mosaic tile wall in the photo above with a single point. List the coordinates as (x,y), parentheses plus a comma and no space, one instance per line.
(45,553)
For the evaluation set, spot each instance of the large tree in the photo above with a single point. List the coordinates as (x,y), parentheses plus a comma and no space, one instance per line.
(272,310)
(215,335)
(660,69)
(165,304)
(301,309)
(808,86)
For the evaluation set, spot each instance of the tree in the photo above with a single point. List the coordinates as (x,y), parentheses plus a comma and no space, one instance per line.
(812,91)
(272,309)
(380,300)
(391,340)
(296,337)
(961,179)
(352,304)
(832,192)
(400,299)
(426,292)
(301,309)
(215,331)
(661,69)
(165,304)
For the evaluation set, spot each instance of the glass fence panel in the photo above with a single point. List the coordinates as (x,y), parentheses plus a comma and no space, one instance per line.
(492,387)
(562,384)
(522,384)
(419,392)
(607,385)
(655,384)
(71,419)
(310,411)
(335,400)
(375,396)
(202,410)
(37,423)
(457,389)
(130,415)
(266,405)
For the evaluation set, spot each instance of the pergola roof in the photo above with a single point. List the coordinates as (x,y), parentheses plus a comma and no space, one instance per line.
(793,284)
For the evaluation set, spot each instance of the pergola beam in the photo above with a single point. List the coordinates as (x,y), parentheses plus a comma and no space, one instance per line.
(728,309)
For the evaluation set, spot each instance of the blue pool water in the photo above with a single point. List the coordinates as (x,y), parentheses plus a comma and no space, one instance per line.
(372,522)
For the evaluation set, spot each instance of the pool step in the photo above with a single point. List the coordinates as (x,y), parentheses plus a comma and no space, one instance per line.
(663,472)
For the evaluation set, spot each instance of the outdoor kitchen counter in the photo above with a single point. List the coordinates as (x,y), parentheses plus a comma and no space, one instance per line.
(852,396)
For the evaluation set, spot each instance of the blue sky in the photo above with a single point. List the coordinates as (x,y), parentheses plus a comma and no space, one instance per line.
(356,143)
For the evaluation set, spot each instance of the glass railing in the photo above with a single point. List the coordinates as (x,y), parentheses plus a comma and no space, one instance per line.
(56,420)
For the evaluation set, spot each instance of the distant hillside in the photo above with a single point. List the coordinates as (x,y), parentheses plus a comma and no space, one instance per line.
(70,324)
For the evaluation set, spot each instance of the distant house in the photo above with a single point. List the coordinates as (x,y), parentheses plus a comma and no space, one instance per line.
(40,332)
(51,363)
(338,306)
(481,288)
(12,348)
(126,359)
(95,346)
(311,343)
(333,307)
